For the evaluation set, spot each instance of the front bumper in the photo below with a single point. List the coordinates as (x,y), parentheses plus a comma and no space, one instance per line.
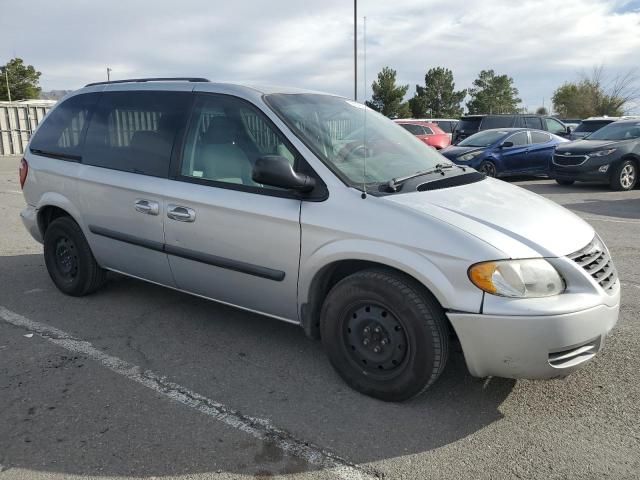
(29,218)
(532,346)
(589,171)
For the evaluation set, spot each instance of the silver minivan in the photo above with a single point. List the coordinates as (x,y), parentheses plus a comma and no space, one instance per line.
(312,209)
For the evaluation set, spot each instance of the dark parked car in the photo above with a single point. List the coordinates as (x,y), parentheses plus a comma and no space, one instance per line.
(506,151)
(470,124)
(610,155)
(590,125)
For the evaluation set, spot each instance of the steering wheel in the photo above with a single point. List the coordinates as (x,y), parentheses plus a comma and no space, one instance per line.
(352,149)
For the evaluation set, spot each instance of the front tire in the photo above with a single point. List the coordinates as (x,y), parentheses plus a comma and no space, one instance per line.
(384,334)
(69,260)
(488,168)
(624,176)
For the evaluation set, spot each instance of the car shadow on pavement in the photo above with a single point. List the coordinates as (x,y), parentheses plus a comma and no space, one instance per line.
(628,208)
(253,364)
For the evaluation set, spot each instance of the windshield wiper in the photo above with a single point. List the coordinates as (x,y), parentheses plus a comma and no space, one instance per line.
(394,183)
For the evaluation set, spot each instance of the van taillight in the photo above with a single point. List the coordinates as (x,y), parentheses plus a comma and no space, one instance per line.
(23,171)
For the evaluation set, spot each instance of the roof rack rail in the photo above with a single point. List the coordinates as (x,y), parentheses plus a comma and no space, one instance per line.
(157,79)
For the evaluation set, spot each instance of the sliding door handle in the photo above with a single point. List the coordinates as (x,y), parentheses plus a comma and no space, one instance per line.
(147,206)
(181,214)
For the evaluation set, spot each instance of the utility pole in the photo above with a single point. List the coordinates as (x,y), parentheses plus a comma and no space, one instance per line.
(355,50)
(6,76)
(108,74)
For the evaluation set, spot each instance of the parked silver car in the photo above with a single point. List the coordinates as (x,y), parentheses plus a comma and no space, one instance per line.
(312,209)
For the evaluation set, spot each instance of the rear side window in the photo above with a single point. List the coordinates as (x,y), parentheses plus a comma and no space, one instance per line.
(415,129)
(540,137)
(447,127)
(427,131)
(135,131)
(61,133)
(497,122)
(533,122)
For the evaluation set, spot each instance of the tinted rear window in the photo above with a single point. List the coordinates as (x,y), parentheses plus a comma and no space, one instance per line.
(135,131)
(468,124)
(447,127)
(61,133)
(496,122)
(591,125)
(533,122)
(415,129)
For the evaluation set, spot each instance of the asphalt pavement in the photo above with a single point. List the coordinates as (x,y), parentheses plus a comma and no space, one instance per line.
(138,381)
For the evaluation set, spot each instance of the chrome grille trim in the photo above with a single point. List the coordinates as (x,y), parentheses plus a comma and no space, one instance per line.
(596,261)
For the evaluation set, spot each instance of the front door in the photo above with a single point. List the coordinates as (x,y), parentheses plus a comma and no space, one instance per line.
(227,237)
(515,157)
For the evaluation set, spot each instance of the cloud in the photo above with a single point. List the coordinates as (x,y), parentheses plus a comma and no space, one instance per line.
(540,43)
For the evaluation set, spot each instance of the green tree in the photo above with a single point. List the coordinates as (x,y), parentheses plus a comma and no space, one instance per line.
(387,95)
(542,111)
(438,97)
(23,80)
(596,94)
(493,93)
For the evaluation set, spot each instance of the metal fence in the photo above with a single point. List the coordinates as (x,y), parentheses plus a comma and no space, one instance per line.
(18,120)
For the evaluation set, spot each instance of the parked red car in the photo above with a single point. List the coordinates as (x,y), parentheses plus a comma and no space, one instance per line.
(428,132)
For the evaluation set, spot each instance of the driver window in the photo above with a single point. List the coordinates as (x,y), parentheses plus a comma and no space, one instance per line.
(226,136)
(519,139)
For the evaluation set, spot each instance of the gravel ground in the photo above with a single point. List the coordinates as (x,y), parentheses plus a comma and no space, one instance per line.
(72,414)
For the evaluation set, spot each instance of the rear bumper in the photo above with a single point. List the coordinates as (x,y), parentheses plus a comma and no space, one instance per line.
(532,346)
(29,218)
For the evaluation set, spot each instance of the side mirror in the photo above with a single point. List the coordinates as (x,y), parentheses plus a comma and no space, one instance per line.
(568,130)
(276,171)
(506,144)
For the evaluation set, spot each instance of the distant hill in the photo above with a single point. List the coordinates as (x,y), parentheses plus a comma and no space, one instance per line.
(54,94)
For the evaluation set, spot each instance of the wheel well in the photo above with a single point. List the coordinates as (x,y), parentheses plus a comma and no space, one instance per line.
(48,214)
(324,281)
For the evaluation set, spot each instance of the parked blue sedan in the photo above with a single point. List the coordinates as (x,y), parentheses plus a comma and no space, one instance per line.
(506,151)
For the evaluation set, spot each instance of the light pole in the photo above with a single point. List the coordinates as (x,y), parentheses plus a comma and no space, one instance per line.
(108,74)
(6,76)
(355,50)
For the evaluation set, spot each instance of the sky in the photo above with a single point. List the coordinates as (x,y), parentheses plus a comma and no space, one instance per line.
(540,43)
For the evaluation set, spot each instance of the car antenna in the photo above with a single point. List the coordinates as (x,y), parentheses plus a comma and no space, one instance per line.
(364,76)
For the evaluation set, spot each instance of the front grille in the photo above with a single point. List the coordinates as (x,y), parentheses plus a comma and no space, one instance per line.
(595,259)
(569,160)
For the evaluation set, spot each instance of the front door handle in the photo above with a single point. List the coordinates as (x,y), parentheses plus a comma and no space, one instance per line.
(181,214)
(147,206)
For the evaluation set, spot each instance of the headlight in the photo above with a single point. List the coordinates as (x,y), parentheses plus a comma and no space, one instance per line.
(531,278)
(469,156)
(602,153)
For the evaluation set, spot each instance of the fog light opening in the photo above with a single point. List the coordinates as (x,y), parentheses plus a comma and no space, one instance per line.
(603,168)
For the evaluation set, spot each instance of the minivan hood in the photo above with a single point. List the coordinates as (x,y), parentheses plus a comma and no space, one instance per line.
(519,223)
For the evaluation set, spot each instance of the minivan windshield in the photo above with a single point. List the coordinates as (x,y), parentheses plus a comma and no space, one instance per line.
(342,133)
(617,131)
(483,139)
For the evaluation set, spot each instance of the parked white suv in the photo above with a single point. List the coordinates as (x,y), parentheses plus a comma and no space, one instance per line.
(312,209)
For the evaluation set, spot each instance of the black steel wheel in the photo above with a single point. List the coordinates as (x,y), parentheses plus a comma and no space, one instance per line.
(69,260)
(384,333)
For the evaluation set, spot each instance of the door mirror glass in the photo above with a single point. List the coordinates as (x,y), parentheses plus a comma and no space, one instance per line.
(276,171)
(506,144)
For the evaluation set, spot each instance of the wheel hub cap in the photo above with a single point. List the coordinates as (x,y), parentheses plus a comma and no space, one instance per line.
(66,258)
(627,176)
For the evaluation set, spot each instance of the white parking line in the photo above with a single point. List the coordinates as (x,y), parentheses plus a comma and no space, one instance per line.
(15,192)
(258,428)
(602,219)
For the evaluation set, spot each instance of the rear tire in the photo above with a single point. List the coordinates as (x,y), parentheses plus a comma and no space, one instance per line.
(488,168)
(69,260)
(624,176)
(565,182)
(384,334)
